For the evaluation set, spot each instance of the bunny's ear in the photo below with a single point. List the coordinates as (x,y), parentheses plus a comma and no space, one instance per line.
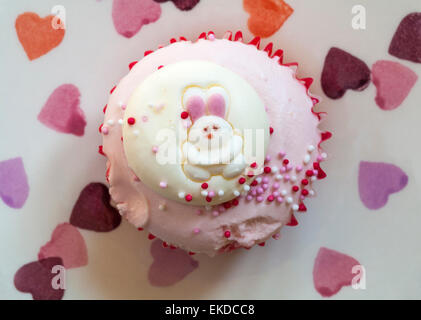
(196,107)
(216,105)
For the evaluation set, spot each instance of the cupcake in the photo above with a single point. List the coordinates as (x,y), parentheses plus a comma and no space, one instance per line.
(212,145)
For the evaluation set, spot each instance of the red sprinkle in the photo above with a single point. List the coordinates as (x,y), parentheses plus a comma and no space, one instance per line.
(267,170)
(262,244)
(208,199)
(285,162)
(151,236)
(295,188)
(235,202)
(131,121)
(254,183)
(164,244)
(309,173)
(304,182)
(304,192)
(204,185)
(189,197)
(271,198)
(227,205)
(192,253)
(140,229)
(253,165)
(184,115)
(250,174)
(227,234)
(241,180)
(173,247)
(271,130)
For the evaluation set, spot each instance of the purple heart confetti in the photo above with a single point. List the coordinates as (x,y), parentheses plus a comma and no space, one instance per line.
(170,265)
(377,180)
(36,278)
(14,188)
(343,71)
(93,211)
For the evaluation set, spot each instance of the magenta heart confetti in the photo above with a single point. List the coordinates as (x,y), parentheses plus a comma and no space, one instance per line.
(170,265)
(183,5)
(68,244)
(130,15)
(377,180)
(36,278)
(93,211)
(393,82)
(406,42)
(332,270)
(62,113)
(343,71)
(14,188)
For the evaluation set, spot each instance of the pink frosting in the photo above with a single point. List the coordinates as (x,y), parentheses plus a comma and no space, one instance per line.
(249,219)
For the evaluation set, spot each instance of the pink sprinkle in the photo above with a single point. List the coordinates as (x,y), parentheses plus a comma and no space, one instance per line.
(145,119)
(221,209)
(268,158)
(298,168)
(253,192)
(279,199)
(289,167)
(215,213)
(281,154)
(275,194)
(315,172)
(199,212)
(196,230)
(154,149)
(259,198)
(123,107)
(275,186)
(286,177)
(319,158)
(265,186)
(265,180)
(249,198)
(302,197)
(104,130)
(276,236)
(211,37)
(283,169)
(211,193)
(163,184)
(260,190)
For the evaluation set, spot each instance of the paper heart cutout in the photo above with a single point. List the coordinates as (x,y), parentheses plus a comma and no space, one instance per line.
(343,71)
(130,15)
(406,42)
(62,113)
(332,270)
(393,82)
(377,180)
(36,34)
(183,5)
(14,188)
(266,16)
(170,265)
(68,244)
(36,278)
(93,211)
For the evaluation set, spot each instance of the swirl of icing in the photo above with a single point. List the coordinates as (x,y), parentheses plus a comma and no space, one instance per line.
(184,125)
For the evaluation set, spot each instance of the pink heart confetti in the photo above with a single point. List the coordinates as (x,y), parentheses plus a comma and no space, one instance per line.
(393,82)
(170,265)
(14,188)
(377,180)
(93,211)
(68,244)
(36,278)
(62,113)
(343,71)
(332,270)
(130,15)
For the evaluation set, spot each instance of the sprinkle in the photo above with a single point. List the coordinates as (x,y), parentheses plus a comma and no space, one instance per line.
(199,212)
(151,236)
(155,149)
(196,230)
(220,193)
(136,132)
(309,173)
(236,193)
(293,178)
(268,158)
(306,158)
(253,165)
(208,199)
(259,198)
(313,178)
(162,207)
(120,103)
(120,121)
(288,167)
(204,185)
(235,202)
(211,37)
(208,208)
(286,177)
(289,200)
(227,234)
(275,186)
(295,207)
(311,192)
(304,182)
(265,180)
(265,186)
(181,195)
(262,244)
(253,183)
(275,193)
(280,199)
(123,107)
(278,177)
(310,148)
(211,194)
(259,179)
(254,192)
(260,190)
(110,122)
(246,187)
(324,155)
(215,213)
(131,121)
(274,169)
(184,115)
(271,198)
(188,197)
(284,192)
(163,184)
(298,168)
(281,154)
(276,236)
(204,193)
(285,161)
(104,130)
(241,180)
(319,158)
(270,130)
(267,169)
(295,188)
(249,198)
(304,192)
(221,209)
(145,119)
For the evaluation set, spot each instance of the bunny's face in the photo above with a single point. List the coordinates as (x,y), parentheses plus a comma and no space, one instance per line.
(210,133)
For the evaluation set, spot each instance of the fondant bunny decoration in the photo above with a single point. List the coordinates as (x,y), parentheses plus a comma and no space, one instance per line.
(213,146)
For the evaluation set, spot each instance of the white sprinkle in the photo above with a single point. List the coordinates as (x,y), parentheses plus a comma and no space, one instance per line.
(284,192)
(295,207)
(120,104)
(313,178)
(181,195)
(274,169)
(289,200)
(259,179)
(324,155)
(293,178)
(236,193)
(120,121)
(306,158)
(204,193)
(278,177)
(311,192)
(246,187)
(110,122)
(136,132)
(311,148)
(220,193)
